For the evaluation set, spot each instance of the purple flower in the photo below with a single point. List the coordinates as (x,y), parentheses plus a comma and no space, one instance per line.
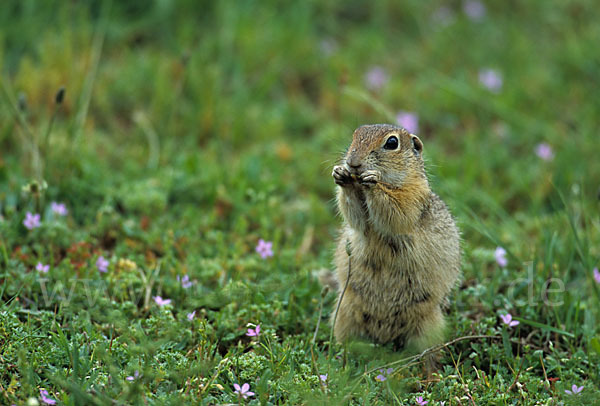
(102,264)
(328,46)
(59,208)
(244,391)
(136,374)
(185,281)
(575,390)
(507,319)
(383,374)
(253,332)
(45,398)
(544,151)
(474,9)
(190,316)
(409,120)
(264,248)
(491,79)
(42,268)
(31,221)
(500,255)
(323,378)
(420,401)
(443,16)
(376,78)
(596,275)
(386,371)
(161,302)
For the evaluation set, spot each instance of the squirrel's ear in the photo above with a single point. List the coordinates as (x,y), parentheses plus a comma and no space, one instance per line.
(417,144)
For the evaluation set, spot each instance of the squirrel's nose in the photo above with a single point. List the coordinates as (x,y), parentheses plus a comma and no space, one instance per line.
(353,162)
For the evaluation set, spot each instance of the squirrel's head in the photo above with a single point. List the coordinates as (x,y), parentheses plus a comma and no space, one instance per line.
(389,149)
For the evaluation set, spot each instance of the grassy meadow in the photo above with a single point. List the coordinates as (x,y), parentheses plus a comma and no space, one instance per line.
(147,147)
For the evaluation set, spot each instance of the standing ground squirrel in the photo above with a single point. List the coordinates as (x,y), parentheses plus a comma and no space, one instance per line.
(403,242)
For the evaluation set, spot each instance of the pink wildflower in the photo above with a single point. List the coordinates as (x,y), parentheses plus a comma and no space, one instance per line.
(544,151)
(161,302)
(575,390)
(243,391)
(45,398)
(474,9)
(420,401)
(185,281)
(491,79)
(31,221)
(376,78)
(507,319)
(443,16)
(409,120)
(500,255)
(59,208)
(253,332)
(102,264)
(264,248)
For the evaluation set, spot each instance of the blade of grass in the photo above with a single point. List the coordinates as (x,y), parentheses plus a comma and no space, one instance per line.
(29,141)
(362,96)
(545,327)
(7,94)
(579,245)
(88,84)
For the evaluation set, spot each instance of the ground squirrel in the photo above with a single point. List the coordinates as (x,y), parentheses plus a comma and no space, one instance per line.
(403,241)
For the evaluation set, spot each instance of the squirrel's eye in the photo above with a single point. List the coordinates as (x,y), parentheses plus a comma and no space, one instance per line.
(391,143)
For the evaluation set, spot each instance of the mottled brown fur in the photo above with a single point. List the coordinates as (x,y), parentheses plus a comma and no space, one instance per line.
(403,240)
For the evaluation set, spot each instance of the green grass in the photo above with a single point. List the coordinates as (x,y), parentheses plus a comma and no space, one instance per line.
(189,131)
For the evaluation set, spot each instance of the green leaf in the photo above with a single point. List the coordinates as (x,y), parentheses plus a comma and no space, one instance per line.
(595,345)
(545,327)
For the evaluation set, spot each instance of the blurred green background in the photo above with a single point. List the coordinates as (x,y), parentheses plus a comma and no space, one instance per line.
(189,85)
(190,129)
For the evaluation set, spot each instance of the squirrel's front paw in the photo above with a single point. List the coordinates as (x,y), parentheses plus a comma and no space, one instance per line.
(369,178)
(341,175)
